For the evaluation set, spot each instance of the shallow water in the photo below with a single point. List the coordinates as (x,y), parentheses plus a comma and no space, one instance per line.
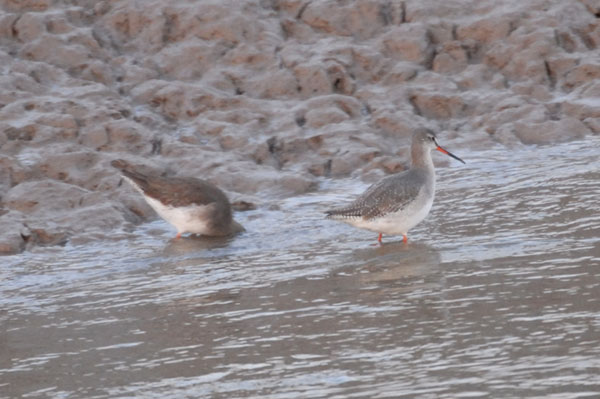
(497,294)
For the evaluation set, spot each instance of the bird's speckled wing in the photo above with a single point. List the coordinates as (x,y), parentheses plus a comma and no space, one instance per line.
(390,195)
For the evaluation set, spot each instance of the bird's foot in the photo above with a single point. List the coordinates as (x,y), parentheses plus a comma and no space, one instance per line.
(379,242)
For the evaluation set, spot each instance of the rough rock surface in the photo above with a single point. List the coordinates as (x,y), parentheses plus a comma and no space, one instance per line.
(265,97)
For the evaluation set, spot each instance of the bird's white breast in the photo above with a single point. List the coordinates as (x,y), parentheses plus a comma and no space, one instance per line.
(188,219)
(399,222)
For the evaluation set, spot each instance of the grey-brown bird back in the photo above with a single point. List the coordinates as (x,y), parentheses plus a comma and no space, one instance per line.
(175,191)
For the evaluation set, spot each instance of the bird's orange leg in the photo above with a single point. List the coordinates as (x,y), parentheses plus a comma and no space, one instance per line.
(379,242)
(178,236)
(404,238)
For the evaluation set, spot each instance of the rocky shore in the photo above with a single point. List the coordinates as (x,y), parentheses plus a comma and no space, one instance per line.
(266,97)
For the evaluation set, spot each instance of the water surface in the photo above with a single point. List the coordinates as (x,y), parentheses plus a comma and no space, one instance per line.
(497,294)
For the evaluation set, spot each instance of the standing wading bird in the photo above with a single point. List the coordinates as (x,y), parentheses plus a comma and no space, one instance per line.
(399,202)
(191,205)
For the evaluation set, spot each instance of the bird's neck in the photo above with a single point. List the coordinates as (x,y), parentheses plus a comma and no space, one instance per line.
(421,157)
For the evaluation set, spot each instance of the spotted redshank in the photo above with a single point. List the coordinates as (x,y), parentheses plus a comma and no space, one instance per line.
(191,205)
(399,202)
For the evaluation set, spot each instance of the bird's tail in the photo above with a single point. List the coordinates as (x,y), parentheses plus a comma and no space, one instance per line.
(342,213)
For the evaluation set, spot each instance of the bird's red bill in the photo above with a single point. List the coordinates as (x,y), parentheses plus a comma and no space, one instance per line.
(440,149)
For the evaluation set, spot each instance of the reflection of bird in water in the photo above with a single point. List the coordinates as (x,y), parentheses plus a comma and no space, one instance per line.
(382,271)
(195,244)
(191,205)
(395,260)
(399,202)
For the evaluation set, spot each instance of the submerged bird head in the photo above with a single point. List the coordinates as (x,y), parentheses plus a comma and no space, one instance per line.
(425,138)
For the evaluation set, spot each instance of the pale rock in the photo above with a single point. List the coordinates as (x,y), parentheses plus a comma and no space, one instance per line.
(438,105)
(230,142)
(312,80)
(169,100)
(38,197)
(567,41)
(99,213)
(61,121)
(590,91)
(347,104)
(581,74)
(593,124)
(400,72)
(51,49)
(535,91)
(559,65)
(590,34)
(408,42)
(319,117)
(297,30)
(26,132)
(280,83)
(44,75)
(293,184)
(217,22)
(97,72)
(3,138)
(11,235)
(125,21)
(330,109)
(388,164)
(430,80)
(145,91)
(57,23)
(187,60)
(342,166)
(290,7)
(29,26)
(6,179)
(592,6)
(325,16)
(451,58)
(71,167)
(84,37)
(23,83)
(389,120)
(368,65)
(249,56)
(530,51)
(210,127)
(486,30)
(505,114)
(477,76)
(581,109)
(421,10)
(341,79)
(45,234)
(126,135)
(499,54)
(550,131)
(320,168)
(252,179)
(26,5)
(7,22)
